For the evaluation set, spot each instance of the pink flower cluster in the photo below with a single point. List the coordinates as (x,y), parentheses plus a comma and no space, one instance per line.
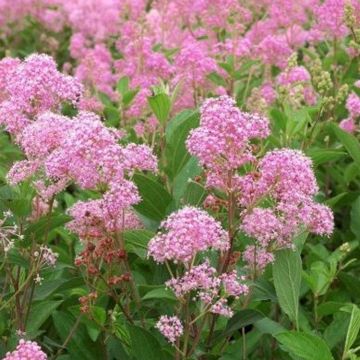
(222,142)
(277,196)
(295,80)
(26,350)
(181,41)
(212,289)
(330,19)
(32,87)
(61,150)
(185,233)
(171,327)
(285,180)
(93,220)
(353,107)
(46,256)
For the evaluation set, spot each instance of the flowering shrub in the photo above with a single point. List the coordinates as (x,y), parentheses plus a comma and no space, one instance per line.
(179,179)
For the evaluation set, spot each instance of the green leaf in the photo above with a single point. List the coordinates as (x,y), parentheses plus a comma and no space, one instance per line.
(279,119)
(181,181)
(123,85)
(129,96)
(320,277)
(349,141)
(136,241)
(112,116)
(321,156)
(263,290)
(268,326)
(105,99)
(160,293)
(93,327)
(194,195)
(353,329)
(355,218)
(45,224)
(287,270)
(335,333)
(160,104)
(304,346)
(177,132)
(116,350)
(80,346)
(155,198)
(39,313)
(241,319)
(144,345)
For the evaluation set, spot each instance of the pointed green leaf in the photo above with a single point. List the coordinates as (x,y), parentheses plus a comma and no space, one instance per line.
(287,270)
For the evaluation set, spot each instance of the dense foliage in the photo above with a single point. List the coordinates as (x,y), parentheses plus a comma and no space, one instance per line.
(179,179)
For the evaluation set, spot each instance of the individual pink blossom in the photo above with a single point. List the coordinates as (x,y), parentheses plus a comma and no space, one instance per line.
(22,170)
(289,175)
(296,74)
(263,225)
(26,350)
(268,93)
(35,86)
(201,278)
(93,220)
(222,308)
(233,285)
(257,257)
(40,138)
(95,70)
(7,66)
(273,50)
(320,219)
(40,208)
(185,233)
(46,256)
(221,143)
(139,129)
(348,125)
(170,327)
(330,18)
(353,105)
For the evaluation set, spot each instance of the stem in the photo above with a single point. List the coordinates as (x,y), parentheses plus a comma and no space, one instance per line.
(18,291)
(118,301)
(187,327)
(244,343)
(128,269)
(197,337)
(68,338)
(47,230)
(200,315)
(316,318)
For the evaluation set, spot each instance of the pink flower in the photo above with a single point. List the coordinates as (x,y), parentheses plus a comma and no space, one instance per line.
(221,143)
(330,18)
(348,125)
(232,284)
(35,86)
(186,232)
(353,105)
(263,225)
(268,93)
(170,327)
(26,350)
(257,257)
(221,307)
(297,74)
(273,50)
